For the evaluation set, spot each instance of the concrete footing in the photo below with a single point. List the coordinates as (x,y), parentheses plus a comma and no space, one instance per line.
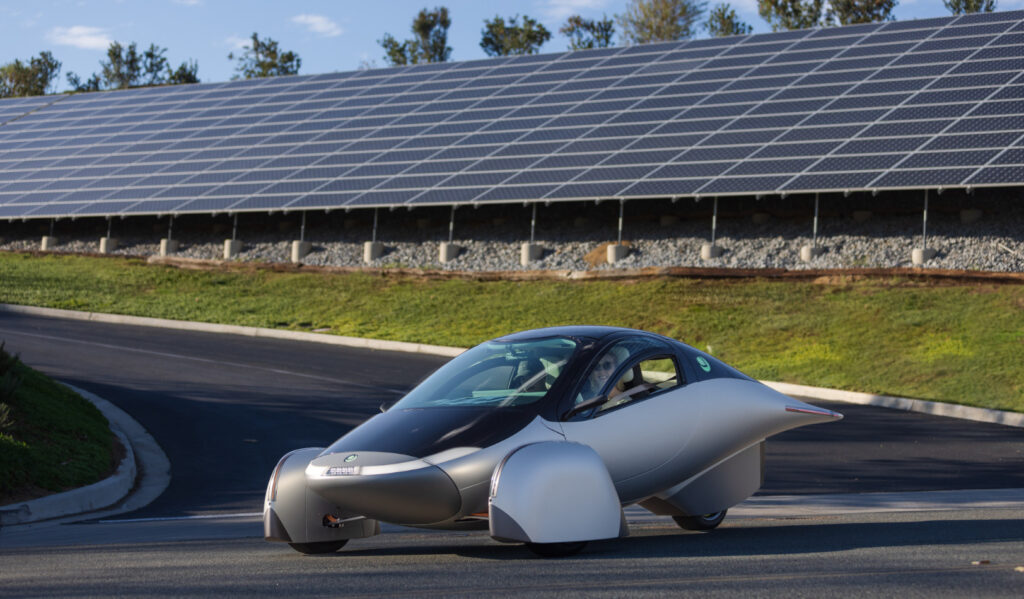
(168,246)
(708,251)
(530,252)
(921,255)
(372,250)
(810,252)
(300,249)
(617,252)
(448,252)
(969,216)
(48,243)
(232,247)
(108,244)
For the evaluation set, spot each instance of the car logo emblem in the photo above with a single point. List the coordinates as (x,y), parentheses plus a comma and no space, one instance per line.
(351,458)
(703,364)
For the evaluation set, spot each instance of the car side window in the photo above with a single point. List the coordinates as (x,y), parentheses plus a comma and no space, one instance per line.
(644,379)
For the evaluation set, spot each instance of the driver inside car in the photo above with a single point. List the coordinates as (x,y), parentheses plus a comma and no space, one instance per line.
(601,373)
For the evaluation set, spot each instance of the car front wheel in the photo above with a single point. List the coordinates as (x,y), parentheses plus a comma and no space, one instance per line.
(705,522)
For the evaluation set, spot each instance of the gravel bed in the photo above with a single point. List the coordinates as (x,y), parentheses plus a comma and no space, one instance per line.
(989,244)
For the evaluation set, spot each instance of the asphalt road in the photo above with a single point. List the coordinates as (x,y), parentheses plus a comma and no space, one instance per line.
(225,408)
(913,555)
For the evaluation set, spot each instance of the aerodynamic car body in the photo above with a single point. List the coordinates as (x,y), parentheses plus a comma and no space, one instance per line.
(542,437)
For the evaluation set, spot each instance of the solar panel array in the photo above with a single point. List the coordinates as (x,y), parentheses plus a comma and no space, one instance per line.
(934,103)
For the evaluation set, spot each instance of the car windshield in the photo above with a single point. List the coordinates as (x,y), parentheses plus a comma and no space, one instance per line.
(495,374)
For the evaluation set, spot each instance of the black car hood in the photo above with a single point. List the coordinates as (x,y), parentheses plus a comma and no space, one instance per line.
(420,432)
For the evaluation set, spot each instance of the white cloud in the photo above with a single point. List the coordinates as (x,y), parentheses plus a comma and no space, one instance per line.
(318,24)
(561,9)
(80,36)
(237,43)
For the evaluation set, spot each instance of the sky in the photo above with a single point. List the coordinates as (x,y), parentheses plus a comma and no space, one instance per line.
(338,35)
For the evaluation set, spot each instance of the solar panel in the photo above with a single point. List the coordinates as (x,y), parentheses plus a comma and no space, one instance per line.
(912,104)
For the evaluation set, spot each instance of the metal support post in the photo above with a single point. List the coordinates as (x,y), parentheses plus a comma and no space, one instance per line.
(169,246)
(109,221)
(302,229)
(373,249)
(919,256)
(52,220)
(622,205)
(234,228)
(714,220)
(924,223)
(810,251)
(533,223)
(814,238)
(448,250)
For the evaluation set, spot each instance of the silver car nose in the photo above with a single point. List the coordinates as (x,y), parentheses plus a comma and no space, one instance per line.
(389,487)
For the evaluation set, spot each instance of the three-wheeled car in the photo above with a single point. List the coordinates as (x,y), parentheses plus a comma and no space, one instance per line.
(542,437)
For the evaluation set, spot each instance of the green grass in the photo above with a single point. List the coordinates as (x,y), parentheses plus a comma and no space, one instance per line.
(958,343)
(51,439)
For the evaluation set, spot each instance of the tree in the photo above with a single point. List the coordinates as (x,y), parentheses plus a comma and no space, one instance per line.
(430,43)
(723,22)
(660,20)
(963,7)
(92,84)
(792,14)
(586,34)
(187,72)
(431,29)
(126,67)
(852,12)
(501,39)
(154,63)
(264,59)
(33,78)
(122,68)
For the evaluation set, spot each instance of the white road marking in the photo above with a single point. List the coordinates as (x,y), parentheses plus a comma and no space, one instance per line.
(205,360)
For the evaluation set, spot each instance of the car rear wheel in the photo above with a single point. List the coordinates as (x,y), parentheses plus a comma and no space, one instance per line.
(705,522)
(556,549)
(317,548)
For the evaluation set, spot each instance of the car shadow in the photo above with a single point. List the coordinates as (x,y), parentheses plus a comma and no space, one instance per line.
(740,541)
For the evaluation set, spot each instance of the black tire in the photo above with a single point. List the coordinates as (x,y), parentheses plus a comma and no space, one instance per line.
(318,548)
(556,549)
(705,522)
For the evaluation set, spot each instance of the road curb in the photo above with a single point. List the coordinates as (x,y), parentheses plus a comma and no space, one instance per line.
(905,404)
(92,497)
(140,478)
(231,329)
(1013,419)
